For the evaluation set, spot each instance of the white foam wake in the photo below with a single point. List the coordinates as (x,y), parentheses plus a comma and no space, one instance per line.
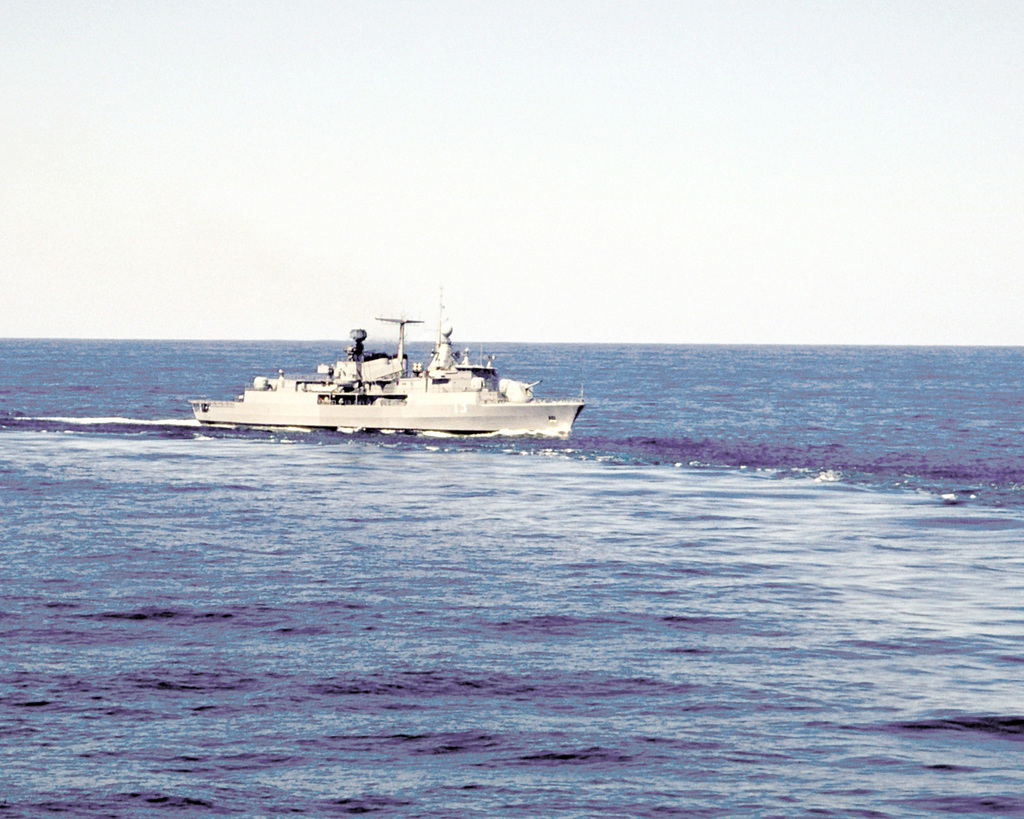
(116,419)
(499,433)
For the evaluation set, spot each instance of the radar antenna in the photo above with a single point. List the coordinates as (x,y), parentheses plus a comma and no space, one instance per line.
(401,322)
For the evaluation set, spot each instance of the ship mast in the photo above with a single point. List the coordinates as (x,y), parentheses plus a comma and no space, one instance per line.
(401,322)
(440,318)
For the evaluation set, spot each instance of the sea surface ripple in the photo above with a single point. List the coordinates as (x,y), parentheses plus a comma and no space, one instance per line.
(753,582)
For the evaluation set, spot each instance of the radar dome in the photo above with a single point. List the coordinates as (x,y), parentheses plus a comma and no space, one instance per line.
(358,335)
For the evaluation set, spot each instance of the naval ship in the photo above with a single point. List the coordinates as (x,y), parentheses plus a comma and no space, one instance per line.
(376,391)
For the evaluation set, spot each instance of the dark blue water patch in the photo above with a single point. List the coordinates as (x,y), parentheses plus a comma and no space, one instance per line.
(692,650)
(139,615)
(972,523)
(193,681)
(454,742)
(1001,727)
(708,625)
(548,686)
(951,768)
(76,693)
(594,755)
(243,616)
(1002,804)
(156,613)
(371,803)
(142,804)
(850,813)
(552,625)
(487,750)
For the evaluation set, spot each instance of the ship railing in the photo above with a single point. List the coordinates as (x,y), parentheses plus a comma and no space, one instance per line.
(500,399)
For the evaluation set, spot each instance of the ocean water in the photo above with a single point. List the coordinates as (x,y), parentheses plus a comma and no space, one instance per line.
(753,582)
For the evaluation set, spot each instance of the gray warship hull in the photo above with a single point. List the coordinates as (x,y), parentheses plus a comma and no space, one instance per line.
(452,412)
(378,392)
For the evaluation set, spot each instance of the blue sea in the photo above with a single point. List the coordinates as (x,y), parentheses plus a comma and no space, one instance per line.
(754,581)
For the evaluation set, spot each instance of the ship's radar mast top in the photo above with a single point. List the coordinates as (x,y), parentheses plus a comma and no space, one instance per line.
(401,322)
(440,318)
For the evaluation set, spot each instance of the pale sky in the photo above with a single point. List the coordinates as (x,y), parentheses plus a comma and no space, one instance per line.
(672,172)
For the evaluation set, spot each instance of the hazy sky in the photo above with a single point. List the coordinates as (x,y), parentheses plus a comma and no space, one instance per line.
(806,172)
